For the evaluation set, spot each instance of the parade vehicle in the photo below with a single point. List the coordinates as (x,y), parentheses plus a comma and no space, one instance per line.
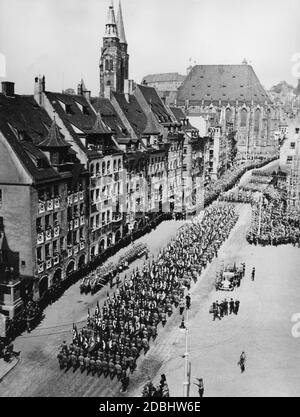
(229,277)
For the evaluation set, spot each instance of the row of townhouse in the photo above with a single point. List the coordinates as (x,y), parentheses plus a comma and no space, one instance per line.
(78,174)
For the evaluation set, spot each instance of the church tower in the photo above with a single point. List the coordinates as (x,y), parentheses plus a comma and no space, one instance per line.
(114,58)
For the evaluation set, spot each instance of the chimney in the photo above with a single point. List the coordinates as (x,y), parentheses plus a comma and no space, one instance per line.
(8,88)
(128,88)
(87,95)
(79,89)
(39,89)
(107,92)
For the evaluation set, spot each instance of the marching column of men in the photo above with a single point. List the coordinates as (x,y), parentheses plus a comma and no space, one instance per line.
(121,330)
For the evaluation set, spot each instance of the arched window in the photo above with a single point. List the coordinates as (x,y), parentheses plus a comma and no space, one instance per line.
(108,165)
(97,168)
(92,169)
(119,164)
(243,118)
(107,64)
(115,165)
(228,115)
(257,120)
(103,167)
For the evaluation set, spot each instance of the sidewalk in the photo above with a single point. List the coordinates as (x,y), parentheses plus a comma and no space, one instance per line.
(6,367)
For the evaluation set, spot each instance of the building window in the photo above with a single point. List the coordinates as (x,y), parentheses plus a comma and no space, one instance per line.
(289,159)
(243,118)
(257,120)
(39,253)
(47,250)
(69,109)
(47,220)
(228,115)
(92,169)
(292,145)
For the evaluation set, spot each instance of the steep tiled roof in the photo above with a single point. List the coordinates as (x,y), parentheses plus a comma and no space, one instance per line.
(24,125)
(158,107)
(178,113)
(133,112)
(227,83)
(109,116)
(54,138)
(99,126)
(152,127)
(179,116)
(73,110)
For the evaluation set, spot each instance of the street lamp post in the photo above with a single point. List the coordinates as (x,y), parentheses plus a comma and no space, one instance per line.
(260,213)
(186,381)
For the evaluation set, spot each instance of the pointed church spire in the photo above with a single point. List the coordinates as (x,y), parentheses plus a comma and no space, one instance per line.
(111,30)
(120,25)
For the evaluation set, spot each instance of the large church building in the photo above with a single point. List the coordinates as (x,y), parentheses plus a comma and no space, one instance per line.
(231,96)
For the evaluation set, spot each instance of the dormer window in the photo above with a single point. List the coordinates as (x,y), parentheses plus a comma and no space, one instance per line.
(85,110)
(68,109)
(40,163)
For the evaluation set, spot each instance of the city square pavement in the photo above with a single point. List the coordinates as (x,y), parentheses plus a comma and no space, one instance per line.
(263,327)
(38,372)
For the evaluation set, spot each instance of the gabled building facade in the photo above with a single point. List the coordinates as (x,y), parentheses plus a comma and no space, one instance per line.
(93,138)
(39,173)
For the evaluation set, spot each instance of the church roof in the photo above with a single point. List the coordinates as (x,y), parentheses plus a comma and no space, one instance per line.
(54,138)
(120,25)
(164,77)
(225,83)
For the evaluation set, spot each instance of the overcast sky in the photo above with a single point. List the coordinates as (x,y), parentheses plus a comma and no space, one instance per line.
(62,38)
